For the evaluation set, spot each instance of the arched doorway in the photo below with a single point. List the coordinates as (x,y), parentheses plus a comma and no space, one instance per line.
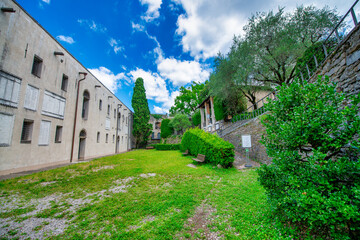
(82,141)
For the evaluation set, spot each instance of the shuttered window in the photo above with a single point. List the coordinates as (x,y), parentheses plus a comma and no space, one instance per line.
(107,124)
(53,105)
(44,133)
(9,89)
(31,97)
(6,129)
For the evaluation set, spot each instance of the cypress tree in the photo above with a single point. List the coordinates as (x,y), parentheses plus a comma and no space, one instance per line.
(141,125)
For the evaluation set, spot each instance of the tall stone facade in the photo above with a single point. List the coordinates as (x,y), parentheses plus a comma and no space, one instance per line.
(52,109)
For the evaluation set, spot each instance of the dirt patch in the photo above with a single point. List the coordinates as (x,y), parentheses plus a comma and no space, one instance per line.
(103,168)
(191,165)
(143,175)
(198,224)
(47,183)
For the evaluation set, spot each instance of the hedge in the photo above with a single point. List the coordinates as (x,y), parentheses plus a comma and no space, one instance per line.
(216,150)
(167,146)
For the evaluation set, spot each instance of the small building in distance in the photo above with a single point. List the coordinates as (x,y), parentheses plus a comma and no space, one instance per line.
(155,121)
(52,109)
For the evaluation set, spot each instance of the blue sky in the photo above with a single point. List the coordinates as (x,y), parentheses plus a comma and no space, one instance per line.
(169,43)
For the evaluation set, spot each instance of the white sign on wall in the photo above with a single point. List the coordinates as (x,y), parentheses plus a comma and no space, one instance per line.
(246,141)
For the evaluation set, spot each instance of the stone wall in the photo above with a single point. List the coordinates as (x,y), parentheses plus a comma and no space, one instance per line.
(256,130)
(343,65)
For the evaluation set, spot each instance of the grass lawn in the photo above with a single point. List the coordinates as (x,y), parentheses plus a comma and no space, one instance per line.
(143,194)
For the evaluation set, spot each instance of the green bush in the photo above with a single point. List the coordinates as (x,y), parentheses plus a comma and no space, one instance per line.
(312,135)
(219,109)
(216,150)
(196,118)
(167,146)
(166,129)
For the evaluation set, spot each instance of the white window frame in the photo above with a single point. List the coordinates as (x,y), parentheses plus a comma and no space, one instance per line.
(107,123)
(53,105)
(31,98)
(9,89)
(6,137)
(44,133)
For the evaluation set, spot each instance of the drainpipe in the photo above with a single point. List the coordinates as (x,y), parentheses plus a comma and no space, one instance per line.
(76,108)
(117,128)
(129,134)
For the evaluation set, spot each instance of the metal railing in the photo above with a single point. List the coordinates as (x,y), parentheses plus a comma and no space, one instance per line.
(327,47)
(330,44)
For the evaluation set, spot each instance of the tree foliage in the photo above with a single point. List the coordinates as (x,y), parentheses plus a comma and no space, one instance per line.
(223,87)
(157,116)
(279,39)
(141,126)
(188,100)
(180,122)
(312,136)
(166,129)
(196,118)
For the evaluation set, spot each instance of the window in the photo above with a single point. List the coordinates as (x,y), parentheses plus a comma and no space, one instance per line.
(27,131)
(64,82)
(157,125)
(107,138)
(31,98)
(108,110)
(37,65)
(9,89)
(53,105)
(6,128)
(58,134)
(107,124)
(114,113)
(113,138)
(98,137)
(44,133)
(100,104)
(85,108)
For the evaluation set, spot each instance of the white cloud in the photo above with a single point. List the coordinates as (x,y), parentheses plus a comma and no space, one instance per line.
(46,1)
(182,72)
(137,27)
(66,39)
(154,84)
(156,89)
(96,27)
(153,9)
(208,26)
(159,110)
(108,78)
(115,44)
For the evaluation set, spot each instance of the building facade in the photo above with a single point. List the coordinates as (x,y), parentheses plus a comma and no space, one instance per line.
(52,109)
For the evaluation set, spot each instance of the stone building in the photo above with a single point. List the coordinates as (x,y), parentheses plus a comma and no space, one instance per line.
(52,109)
(156,125)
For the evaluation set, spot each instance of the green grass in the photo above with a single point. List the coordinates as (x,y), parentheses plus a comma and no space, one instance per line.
(155,207)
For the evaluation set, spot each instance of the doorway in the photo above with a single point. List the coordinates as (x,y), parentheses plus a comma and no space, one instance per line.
(82,142)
